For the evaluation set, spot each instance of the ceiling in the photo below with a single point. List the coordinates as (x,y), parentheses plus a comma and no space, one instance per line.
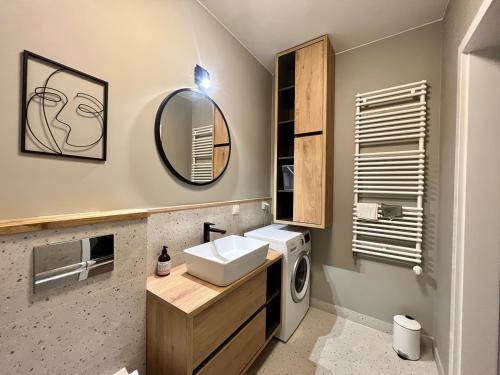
(266,27)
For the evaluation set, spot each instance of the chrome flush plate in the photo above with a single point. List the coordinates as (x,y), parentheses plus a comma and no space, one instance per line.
(67,263)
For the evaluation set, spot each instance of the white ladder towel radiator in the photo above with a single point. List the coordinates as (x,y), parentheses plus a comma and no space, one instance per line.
(396,115)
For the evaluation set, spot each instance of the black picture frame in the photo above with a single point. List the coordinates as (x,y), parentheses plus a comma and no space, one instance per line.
(28,56)
(159,144)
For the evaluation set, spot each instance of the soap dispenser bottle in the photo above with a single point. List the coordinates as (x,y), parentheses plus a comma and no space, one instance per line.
(164,263)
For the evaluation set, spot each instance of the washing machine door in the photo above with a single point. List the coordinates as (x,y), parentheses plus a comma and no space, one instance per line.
(301,274)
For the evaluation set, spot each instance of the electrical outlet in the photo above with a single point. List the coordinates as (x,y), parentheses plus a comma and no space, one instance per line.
(236,209)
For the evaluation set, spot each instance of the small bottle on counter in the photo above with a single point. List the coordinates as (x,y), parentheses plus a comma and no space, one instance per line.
(164,263)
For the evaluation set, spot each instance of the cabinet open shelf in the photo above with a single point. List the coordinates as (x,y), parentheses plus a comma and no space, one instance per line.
(286,122)
(287,101)
(285,131)
(273,281)
(273,298)
(272,316)
(291,87)
(286,71)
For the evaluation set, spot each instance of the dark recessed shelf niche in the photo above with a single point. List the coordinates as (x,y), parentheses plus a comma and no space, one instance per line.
(285,131)
(272,316)
(284,206)
(273,298)
(286,138)
(286,71)
(291,87)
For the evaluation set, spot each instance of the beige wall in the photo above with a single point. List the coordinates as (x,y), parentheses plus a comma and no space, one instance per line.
(458,17)
(373,287)
(144,49)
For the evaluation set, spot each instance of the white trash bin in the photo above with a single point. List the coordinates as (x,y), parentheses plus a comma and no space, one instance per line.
(406,337)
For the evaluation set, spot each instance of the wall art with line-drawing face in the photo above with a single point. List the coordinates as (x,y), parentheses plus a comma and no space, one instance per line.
(64,111)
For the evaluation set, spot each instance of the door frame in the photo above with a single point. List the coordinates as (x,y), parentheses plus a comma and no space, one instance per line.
(459,201)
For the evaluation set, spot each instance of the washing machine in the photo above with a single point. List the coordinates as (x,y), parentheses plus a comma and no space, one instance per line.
(295,244)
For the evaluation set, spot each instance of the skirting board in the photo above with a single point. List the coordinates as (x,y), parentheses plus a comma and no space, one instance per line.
(354,316)
(437,358)
(365,320)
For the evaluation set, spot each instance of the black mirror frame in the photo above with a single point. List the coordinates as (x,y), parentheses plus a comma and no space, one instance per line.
(159,144)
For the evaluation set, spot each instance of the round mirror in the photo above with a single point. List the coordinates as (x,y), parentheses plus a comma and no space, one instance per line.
(192,136)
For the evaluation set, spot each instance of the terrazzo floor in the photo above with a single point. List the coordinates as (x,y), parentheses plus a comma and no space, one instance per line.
(327,344)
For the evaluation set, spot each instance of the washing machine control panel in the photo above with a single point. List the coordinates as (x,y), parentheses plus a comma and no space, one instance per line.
(303,243)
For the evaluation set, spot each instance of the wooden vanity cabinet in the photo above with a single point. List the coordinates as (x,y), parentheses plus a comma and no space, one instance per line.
(194,327)
(304,99)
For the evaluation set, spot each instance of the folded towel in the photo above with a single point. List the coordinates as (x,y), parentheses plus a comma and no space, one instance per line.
(367,211)
(391,211)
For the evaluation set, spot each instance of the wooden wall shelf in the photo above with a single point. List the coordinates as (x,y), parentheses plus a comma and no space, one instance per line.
(65,221)
(37,223)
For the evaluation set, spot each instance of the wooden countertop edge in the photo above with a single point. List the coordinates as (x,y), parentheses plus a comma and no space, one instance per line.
(37,223)
(272,257)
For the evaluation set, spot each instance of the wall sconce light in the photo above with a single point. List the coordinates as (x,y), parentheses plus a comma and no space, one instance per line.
(201,77)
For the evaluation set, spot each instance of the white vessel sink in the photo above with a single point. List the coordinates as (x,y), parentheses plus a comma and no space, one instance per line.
(225,260)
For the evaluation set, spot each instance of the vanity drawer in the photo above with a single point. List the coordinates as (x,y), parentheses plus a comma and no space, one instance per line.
(215,324)
(233,357)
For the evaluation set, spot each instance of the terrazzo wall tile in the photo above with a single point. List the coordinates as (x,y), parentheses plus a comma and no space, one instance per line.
(82,336)
(96,326)
(16,295)
(252,216)
(71,329)
(182,229)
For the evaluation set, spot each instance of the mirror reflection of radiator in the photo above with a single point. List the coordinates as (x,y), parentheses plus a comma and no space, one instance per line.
(202,147)
(389,167)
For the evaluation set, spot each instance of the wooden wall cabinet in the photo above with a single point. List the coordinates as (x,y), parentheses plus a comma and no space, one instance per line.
(194,327)
(304,99)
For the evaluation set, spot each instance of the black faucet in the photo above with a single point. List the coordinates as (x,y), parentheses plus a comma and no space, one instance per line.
(207,228)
